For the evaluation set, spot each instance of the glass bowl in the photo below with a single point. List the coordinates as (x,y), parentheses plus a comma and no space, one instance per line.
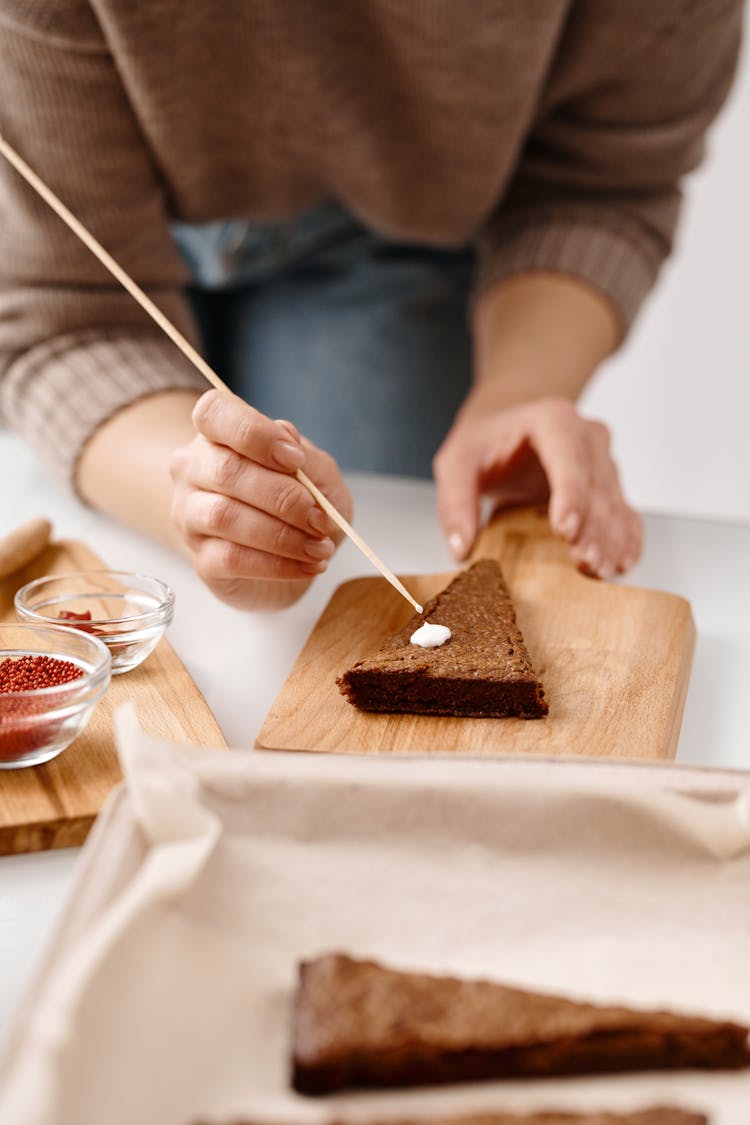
(128,612)
(37,723)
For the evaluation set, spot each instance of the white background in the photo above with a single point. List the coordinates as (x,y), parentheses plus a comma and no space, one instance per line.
(677,397)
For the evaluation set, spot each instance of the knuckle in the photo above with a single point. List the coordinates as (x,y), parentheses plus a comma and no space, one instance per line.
(246,431)
(288,500)
(216,559)
(205,560)
(205,408)
(218,512)
(438,460)
(443,458)
(193,541)
(226,468)
(561,410)
(176,515)
(177,463)
(282,540)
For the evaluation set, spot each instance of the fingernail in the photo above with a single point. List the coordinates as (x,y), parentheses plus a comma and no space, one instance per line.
(457,544)
(319,548)
(290,428)
(606,570)
(313,568)
(286,455)
(569,526)
(317,520)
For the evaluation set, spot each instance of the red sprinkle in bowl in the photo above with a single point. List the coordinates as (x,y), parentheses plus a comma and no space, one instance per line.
(38,722)
(128,612)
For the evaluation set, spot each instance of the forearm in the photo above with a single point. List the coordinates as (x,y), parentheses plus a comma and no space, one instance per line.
(540,335)
(124,468)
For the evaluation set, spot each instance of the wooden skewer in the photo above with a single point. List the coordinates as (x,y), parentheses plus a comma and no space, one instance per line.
(183,344)
(356,539)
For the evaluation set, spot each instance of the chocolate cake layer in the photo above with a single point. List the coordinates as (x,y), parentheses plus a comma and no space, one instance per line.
(484,670)
(656,1115)
(359,1024)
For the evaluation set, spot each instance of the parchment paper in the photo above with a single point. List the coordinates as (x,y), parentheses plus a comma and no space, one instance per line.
(166,995)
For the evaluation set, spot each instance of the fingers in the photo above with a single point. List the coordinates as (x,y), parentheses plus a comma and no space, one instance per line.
(325,473)
(482,452)
(610,543)
(220,470)
(243,517)
(538,451)
(611,538)
(558,438)
(210,515)
(227,420)
(587,506)
(222,560)
(456,471)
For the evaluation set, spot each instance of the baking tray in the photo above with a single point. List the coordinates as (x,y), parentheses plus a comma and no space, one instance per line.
(166,993)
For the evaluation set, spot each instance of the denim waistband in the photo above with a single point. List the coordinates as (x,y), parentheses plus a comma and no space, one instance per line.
(235,252)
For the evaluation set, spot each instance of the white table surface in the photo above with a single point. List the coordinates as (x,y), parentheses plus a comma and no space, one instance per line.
(240,661)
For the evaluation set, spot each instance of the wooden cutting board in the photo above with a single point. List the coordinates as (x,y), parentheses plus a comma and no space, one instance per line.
(54,805)
(614,660)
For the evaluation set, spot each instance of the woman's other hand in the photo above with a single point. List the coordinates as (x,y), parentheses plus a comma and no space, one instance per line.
(537,452)
(519,438)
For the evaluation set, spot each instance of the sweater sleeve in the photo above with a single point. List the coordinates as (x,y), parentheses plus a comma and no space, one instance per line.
(74,346)
(596,194)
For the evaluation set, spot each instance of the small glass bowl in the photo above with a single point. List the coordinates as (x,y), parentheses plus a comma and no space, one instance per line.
(37,725)
(128,612)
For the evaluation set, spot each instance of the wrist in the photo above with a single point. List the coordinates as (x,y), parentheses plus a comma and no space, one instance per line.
(540,335)
(123,469)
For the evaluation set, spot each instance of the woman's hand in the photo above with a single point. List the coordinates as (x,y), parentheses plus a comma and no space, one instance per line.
(255,535)
(519,439)
(529,453)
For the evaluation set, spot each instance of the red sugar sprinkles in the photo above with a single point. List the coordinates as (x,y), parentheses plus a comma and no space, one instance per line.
(28,673)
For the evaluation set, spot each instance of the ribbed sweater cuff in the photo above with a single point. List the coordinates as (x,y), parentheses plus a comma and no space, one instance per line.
(59,393)
(597,255)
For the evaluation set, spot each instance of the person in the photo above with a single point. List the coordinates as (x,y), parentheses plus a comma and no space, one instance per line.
(406,236)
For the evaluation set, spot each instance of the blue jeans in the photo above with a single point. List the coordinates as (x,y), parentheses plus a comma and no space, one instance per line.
(362,342)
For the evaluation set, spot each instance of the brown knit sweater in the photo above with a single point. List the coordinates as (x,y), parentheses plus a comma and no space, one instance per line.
(553,133)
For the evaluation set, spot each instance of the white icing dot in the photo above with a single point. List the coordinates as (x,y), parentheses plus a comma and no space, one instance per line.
(430,636)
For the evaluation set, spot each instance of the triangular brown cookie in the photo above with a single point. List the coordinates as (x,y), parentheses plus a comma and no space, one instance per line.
(360,1024)
(657,1115)
(484,670)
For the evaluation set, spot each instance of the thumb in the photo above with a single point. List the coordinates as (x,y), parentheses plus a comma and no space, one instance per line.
(456,471)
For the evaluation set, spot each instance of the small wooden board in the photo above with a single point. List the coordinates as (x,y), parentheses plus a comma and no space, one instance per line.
(614,660)
(54,805)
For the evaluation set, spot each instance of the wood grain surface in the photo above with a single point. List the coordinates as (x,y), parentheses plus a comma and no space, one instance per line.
(614,660)
(54,805)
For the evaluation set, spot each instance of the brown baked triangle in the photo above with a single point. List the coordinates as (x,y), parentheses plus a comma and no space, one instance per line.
(360,1024)
(656,1115)
(484,670)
